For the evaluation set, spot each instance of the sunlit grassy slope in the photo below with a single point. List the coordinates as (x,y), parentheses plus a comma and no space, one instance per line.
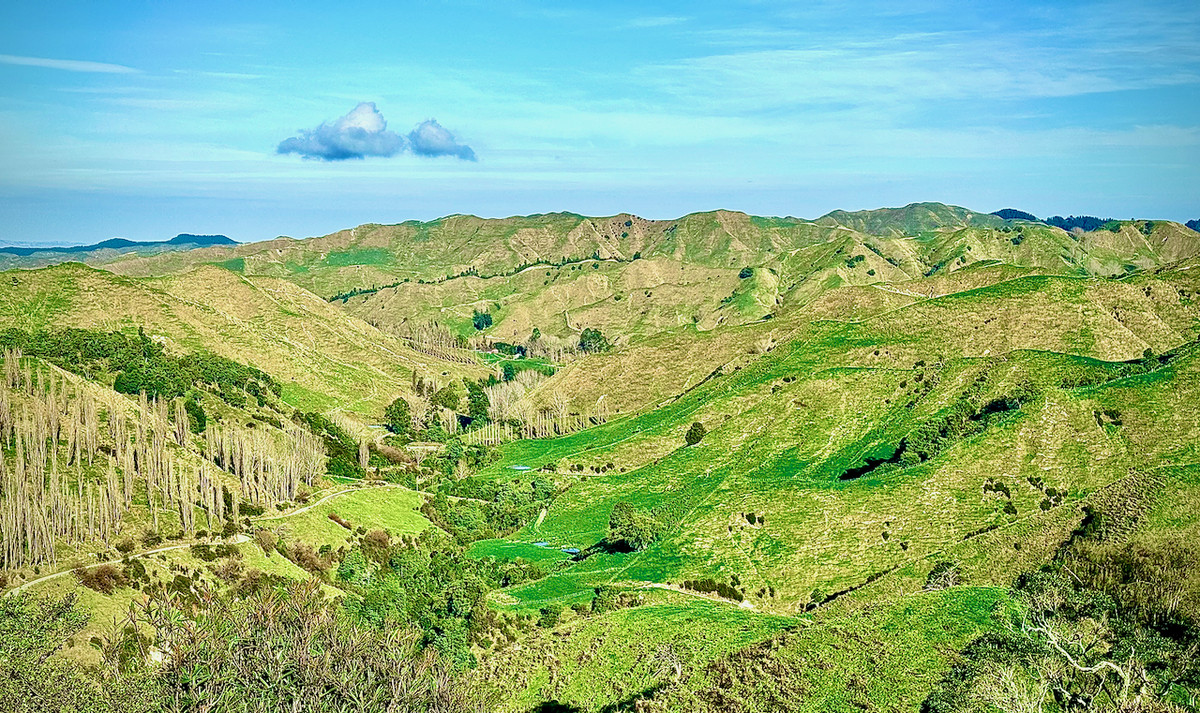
(323,357)
(1071,358)
(784,426)
(761,504)
(883,658)
(561,272)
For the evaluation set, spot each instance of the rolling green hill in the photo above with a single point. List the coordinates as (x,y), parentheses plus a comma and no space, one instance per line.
(906,459)
(912,219)
(323,357)
(632,278)
(793,495)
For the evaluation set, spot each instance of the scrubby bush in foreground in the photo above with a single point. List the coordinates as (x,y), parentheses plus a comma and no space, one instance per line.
(288,649)
(32,629)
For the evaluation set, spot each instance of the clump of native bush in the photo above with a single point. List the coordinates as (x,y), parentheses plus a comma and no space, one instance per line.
(1107,626)
(138,363)
(105,578)
(429,583)
(282,647)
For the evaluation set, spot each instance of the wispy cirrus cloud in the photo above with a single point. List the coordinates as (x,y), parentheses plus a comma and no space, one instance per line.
(807,56)
(655,21)
(363,132)
(69,65)
(905,70)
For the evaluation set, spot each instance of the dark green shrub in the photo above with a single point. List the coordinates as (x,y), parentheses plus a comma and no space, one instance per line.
(447,397)
(197,420)
(398,415)
(592,341)
(548,616)
(632,528)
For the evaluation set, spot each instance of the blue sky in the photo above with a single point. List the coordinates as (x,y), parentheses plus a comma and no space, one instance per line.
(146,119)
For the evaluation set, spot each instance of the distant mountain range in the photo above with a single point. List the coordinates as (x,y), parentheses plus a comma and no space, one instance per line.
(183,241)
(633,277)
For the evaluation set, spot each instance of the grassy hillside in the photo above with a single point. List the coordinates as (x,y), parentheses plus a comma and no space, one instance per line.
(633,278)
(323,357)
(912,219)
(846,465)
(800,491)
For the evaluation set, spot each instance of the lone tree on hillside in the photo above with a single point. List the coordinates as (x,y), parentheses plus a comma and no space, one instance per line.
(746,272)
(591,341)
(447,397)
(398,416)
(481,320)
(477,402)
(695,433)
(631,527)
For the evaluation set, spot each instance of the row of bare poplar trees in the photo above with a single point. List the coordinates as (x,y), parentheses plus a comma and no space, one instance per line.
(553,420)
(71,454)
(52,429)
(269,469)
(433,339)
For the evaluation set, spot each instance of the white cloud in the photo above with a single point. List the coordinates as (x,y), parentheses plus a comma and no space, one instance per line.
(363,132)
(432,139)
(360,133)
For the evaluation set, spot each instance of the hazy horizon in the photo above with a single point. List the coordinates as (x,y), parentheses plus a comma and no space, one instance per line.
(74,243)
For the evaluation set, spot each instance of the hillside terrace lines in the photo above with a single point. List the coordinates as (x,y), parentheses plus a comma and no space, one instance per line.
(733,382)
(1047,519)
(312,351)
(269,329)
(709,596)
(675,528)
(655,325)
(539,265)
(356,336)
(328,497)
(1099,308)
(908,293)
(715,486)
